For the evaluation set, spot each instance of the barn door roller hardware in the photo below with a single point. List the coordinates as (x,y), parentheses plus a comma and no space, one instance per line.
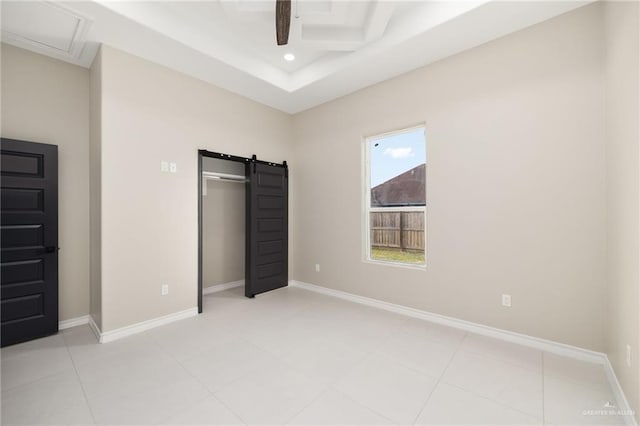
(253,160)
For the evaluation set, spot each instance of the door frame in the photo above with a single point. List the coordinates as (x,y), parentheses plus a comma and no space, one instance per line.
(211,154)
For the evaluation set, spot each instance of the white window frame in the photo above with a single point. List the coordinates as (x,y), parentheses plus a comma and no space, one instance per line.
(366,200)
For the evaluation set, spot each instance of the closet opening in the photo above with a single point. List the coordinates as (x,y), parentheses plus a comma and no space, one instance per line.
(242,224)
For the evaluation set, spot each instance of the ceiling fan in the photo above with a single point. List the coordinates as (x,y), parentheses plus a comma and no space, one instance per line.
(283,21)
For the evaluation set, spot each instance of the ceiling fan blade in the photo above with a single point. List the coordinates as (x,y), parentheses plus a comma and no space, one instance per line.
(283,21)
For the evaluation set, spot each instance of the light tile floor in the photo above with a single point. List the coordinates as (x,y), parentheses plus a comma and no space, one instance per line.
(295,357)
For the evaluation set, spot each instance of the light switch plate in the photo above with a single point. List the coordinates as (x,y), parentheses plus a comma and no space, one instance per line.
(173,168)
(164,166)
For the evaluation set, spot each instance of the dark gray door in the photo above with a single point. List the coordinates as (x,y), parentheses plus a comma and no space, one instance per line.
(29,240)
(267,228)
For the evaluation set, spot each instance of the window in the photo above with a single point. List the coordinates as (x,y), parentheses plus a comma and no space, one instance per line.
(395,197)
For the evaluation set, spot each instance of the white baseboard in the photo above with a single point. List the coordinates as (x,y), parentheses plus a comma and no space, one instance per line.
(509,336)
(94,327)
(222,287)
(119,333)
(621,400)
(73,322)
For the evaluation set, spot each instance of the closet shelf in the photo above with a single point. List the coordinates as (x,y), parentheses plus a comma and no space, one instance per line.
(224,177)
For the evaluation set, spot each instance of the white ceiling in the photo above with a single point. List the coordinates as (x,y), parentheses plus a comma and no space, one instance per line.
(340,45)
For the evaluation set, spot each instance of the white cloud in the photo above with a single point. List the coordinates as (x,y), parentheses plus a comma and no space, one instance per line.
(399,152)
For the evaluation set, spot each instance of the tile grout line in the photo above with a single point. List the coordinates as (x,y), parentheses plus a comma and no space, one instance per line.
(367,355)
(206,388)
(162,421)
(75,369)
(492,400)
(501,360)
(556,348)
(281,358)
(331,385)
(243,421)
(544,417)
(288,318)
(322,393)
(479,395)
(258,347)
(362,405)
(372,352)
(39,379)
(424,405)
(458,350)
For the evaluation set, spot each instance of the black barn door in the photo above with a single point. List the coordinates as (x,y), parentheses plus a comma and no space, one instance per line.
(267,228)
(29,240)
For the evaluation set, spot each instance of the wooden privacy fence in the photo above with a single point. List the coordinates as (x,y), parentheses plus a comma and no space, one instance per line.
(401,230)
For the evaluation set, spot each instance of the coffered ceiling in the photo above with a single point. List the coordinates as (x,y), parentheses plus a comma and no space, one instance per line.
(339,45)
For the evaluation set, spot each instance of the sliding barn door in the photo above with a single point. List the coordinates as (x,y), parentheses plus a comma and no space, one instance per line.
(267,228)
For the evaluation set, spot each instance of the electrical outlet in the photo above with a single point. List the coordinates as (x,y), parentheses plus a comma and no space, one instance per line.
(165,289)
(173,168)
(628,355)
(506,300)
(164,166)
(317,267)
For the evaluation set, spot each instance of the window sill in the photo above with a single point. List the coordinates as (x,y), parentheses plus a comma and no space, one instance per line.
(417,267)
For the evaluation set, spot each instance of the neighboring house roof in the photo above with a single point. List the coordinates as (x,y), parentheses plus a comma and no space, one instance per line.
(407,188)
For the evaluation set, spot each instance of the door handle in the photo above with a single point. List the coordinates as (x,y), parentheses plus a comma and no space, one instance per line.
(50,249)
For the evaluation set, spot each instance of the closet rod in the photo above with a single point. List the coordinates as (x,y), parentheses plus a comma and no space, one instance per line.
(226,180)
(220,177)
(223,176)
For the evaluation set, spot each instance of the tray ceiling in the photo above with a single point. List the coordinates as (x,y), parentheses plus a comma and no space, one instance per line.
(340,46)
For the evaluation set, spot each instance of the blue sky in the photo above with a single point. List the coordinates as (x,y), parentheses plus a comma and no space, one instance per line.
(396,154)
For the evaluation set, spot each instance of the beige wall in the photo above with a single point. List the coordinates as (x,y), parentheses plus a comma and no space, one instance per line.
(623,159)
(528,184)
(223,236)
(149,218)
(46,100)
(95,183)
(515,184)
